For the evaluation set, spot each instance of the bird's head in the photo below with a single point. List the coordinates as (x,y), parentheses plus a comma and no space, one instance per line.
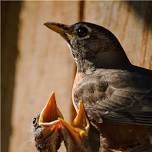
(91,45)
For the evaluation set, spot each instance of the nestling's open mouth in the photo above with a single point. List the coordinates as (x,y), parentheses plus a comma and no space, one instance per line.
(52,117)
(79,127)
(50,113)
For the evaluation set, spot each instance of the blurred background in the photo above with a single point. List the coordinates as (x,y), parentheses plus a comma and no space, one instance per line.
(37,61)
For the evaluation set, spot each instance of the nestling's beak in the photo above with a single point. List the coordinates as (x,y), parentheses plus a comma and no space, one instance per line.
(50,113)
(52,118)
(62,29)
(79,127)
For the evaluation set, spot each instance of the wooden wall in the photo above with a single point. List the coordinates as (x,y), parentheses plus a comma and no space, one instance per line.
(44,65)
(36,61)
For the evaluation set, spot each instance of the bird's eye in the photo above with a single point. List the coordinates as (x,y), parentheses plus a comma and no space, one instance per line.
(34,121)
(82,31)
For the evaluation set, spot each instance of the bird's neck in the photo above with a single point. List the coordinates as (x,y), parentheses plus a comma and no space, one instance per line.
(105,60)
(85,66)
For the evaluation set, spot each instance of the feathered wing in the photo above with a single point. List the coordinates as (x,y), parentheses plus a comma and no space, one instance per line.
(124,109)
(118,96)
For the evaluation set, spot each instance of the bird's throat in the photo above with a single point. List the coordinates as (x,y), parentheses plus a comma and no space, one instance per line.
(85,66)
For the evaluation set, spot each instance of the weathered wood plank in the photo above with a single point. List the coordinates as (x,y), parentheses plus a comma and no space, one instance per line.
(44,64)
(130,22)
(9,51)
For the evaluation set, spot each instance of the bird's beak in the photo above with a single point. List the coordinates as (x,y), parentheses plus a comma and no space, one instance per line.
(62,29)
(79,127)
(50,113)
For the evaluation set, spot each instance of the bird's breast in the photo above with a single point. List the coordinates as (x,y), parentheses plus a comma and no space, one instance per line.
(88,88)
(78,78)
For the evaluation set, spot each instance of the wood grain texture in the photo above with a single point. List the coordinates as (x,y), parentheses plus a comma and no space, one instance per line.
(44,64)
(130,22)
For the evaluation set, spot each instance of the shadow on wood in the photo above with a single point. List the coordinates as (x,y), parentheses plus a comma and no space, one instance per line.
(143,10)
(10,19)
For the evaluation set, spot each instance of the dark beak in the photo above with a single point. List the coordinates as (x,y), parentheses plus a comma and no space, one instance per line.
(62,29)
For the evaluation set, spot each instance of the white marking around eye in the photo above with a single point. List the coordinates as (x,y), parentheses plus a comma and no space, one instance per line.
(83,38)
(88,35)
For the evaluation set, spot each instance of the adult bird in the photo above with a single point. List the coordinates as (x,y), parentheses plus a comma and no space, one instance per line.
(117,95)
